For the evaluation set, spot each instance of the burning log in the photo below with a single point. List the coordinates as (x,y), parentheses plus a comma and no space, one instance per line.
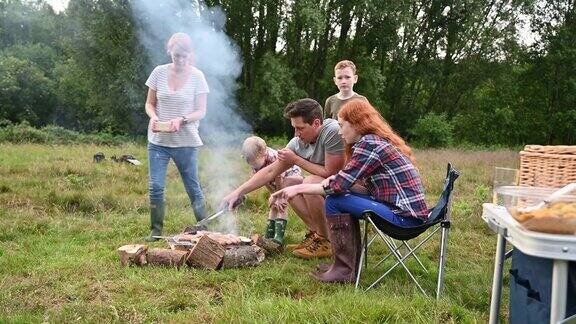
(222,239)
(241,256)
(203,249)
(269,246)
(225,239)
(166,257)
(132,254)
(206,254)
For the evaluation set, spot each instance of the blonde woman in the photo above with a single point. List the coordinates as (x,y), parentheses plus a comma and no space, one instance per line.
(176,102)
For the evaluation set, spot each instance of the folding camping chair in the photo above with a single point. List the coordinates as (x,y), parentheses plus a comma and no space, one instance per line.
(388,232)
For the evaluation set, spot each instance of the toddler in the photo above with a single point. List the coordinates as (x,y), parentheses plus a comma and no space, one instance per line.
(258,155)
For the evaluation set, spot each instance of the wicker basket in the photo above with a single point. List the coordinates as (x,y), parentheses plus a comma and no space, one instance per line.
(547,166)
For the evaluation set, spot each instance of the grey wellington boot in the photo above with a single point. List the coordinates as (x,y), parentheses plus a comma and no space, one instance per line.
(199,208)
(156,221)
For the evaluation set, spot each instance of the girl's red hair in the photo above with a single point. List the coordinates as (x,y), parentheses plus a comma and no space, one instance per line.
(367,120)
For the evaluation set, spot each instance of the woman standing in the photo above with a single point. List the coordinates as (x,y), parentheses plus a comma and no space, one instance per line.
(177,96)
(379,175)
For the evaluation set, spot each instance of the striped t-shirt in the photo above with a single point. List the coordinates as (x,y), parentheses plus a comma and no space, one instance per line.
(173,104)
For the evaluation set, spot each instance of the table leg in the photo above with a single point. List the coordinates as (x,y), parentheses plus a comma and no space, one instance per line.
(497,281)
(559,287)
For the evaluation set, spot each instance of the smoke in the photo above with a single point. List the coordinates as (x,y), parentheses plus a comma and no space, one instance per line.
(218,57)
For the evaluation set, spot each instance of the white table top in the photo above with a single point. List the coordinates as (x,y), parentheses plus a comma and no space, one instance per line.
(543,245)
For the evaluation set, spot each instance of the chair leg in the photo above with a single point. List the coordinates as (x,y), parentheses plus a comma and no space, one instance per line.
(363,254)
(366,243)
(390,269)
(360,267)
(442,261)
(422,242)
(400,260)
(395,247)
(372,239)
(386,256)
(413,252)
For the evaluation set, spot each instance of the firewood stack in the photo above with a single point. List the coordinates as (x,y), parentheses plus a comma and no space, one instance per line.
(201,249)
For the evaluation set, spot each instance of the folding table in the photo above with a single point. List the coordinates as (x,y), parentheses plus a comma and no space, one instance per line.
(560,248)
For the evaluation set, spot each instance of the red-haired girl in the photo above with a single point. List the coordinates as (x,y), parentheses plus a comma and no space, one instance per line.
(379,175)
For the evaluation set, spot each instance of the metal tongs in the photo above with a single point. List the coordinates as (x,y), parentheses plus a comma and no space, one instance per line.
(174,240)
(219,213)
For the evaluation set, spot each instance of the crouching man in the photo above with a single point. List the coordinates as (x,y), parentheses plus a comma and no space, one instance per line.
(316,148)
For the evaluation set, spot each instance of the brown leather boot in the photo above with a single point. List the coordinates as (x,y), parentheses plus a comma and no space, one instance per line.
(320,248)
(308,239)
(345,239)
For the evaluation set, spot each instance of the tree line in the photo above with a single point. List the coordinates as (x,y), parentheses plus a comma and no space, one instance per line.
(441,72)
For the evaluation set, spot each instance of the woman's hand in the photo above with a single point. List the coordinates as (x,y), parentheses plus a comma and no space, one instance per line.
(326,181)
(175,124)
(278,203)
(153,124)
(358,188)
(286,193)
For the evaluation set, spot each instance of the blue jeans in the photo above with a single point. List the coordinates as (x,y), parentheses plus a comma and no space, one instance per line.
(186,160)
(355,204)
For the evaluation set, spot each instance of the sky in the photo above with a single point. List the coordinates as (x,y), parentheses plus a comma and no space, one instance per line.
(58,5)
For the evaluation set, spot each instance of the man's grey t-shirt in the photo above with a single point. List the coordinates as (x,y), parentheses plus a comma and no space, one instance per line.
(328,141)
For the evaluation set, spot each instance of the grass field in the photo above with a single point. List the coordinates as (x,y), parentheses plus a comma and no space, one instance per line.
(62,218)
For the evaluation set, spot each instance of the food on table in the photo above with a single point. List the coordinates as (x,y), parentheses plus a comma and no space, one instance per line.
(556,218)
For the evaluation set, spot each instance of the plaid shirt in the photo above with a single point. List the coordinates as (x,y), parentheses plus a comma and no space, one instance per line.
(388,175)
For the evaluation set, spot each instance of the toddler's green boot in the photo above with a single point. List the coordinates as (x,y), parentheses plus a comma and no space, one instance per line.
(280,228)
(270,229)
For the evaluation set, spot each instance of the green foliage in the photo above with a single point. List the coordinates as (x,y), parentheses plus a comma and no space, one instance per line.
(492,115)
(84,68)
(22,133)
(26,93)
(433,130)
(482,193)
(71,202)
(25,133)
(276,142)
(74,91)
(41,55)
(272,91)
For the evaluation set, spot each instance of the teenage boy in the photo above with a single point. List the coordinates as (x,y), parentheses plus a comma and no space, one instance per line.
(317,148)
(344,77)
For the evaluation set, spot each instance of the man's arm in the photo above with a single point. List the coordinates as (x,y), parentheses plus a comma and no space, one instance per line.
(258,180)
(332,163)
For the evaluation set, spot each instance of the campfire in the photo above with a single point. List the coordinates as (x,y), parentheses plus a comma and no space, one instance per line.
(201,249)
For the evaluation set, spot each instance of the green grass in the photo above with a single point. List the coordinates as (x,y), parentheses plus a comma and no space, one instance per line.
(62,218)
